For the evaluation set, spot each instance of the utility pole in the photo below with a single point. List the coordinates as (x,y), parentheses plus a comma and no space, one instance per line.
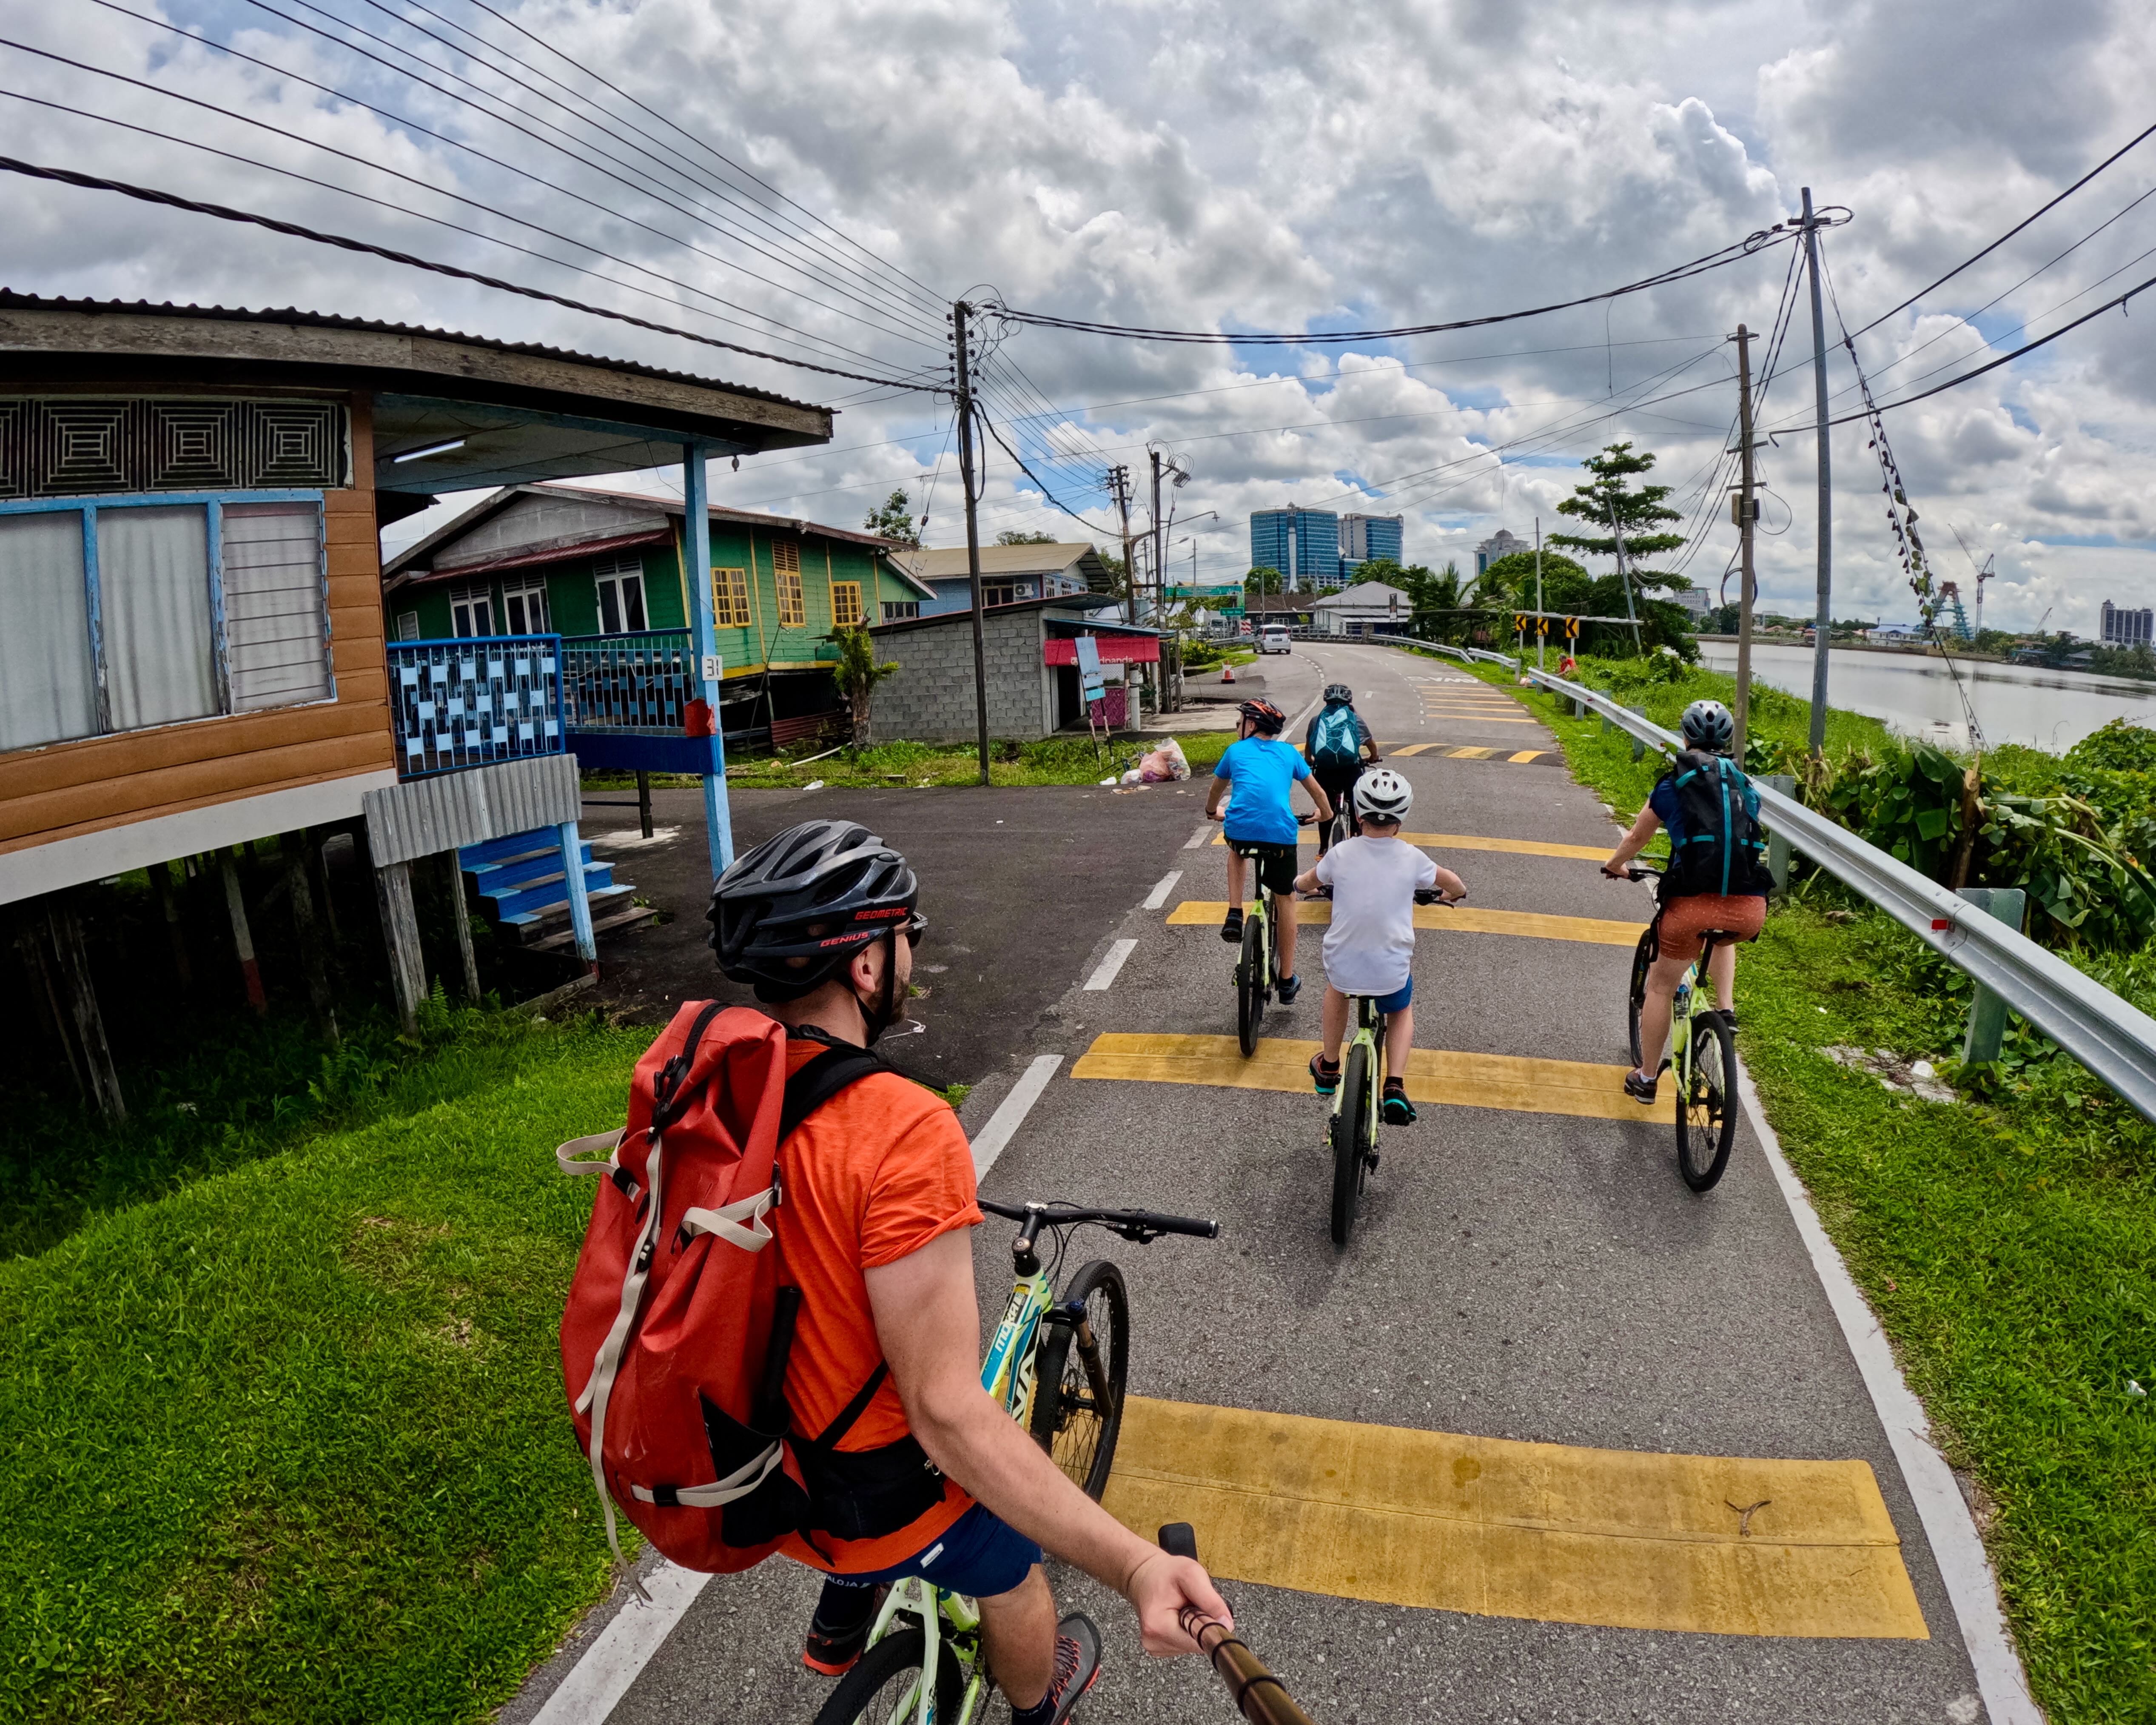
(1541,622)
(1159,530)
(1747,515)
(1624,573)
(1811,226)
(1119,486)
(958,311)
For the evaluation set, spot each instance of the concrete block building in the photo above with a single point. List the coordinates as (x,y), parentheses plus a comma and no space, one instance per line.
(1030,649)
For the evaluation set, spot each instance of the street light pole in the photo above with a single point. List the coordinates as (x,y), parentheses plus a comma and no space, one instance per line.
(1747,512)
(958,311)
(1811,226)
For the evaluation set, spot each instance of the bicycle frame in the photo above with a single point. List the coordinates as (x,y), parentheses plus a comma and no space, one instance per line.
(1369,1032)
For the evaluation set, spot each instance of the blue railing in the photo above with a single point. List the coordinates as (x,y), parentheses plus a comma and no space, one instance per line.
(472,702)
(635,685)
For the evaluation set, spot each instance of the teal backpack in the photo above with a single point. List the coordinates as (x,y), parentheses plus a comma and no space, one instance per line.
(1337,741)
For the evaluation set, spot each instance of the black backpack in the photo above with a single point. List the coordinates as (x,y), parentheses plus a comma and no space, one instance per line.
(1716,843)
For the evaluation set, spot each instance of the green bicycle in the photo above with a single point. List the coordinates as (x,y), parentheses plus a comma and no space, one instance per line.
(1703,1053)
(1358,1104)
(1058,1369)
(1257,962)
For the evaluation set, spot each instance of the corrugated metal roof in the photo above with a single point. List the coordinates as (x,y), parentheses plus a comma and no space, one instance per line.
(428,816)
(941,564)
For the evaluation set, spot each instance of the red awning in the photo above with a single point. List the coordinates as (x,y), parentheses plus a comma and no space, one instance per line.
(1115,649)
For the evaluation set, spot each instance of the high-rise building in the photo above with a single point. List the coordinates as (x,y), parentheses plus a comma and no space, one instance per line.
(1303,544)
(1364,536)
(2127,628)
(1502,543)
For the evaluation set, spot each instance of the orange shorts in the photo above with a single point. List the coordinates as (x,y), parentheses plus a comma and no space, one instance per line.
(1685,919)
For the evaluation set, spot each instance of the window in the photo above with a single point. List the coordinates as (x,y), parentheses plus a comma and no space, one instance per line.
(407,625)
(118,615)
(900,610)
(1004,592)
(471,611)
(786,557)
(792,606)
(620,584)
(729,598)
(845,604)
(524,605)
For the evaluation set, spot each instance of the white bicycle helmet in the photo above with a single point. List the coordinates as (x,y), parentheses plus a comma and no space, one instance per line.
(1382,794)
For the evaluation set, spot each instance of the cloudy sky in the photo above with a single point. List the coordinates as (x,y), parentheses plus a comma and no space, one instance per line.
(1268,165)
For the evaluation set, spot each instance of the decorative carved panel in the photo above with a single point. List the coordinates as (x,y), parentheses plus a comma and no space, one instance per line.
(65,446)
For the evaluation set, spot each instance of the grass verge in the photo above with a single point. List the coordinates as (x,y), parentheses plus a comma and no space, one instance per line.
(2006,1241)
(288,1444)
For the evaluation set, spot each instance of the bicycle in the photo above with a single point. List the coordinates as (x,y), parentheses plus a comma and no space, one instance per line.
(1702,1058)
(1358,1102)
(923,1660)
(1257,959)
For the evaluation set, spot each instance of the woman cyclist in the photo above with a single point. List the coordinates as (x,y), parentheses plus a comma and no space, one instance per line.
(1684,917)
(1337,744)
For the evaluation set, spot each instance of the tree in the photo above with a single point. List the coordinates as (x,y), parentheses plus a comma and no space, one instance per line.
(895,520)
(1010,536)
(1508,584)
(857,675)
(1637,513)
(1262,580)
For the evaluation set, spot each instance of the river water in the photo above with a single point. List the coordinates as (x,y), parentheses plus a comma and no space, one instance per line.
(2014,703)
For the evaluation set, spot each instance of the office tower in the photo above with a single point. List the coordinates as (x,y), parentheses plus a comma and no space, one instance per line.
(1364,536)
(2122,627)
(1303,544)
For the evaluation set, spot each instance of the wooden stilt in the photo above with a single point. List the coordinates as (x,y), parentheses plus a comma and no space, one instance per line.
(461,918)
(160,877)
(318,863)
(33,945)
(643,799)
(243,939)
(80,997)
(400,934)
(313,959)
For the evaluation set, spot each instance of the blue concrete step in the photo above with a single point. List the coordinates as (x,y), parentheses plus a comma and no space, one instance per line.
(521,882)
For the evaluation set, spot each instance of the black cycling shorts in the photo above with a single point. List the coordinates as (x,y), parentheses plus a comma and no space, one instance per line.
(1276,862)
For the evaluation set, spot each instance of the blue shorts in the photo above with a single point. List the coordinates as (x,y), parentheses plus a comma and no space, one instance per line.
(978,1556)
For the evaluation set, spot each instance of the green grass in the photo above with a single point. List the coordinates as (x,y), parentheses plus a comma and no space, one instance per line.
(2007,1241)
(289,1443)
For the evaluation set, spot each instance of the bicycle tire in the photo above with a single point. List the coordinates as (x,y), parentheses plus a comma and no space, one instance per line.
(1706,1103)
(1066,1421)
(1249,985)
(1350,1141)
(1643,961)
(874,1691)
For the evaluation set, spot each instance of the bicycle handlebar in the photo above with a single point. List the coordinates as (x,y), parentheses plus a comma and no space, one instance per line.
(1136,1226)
(1259,1697)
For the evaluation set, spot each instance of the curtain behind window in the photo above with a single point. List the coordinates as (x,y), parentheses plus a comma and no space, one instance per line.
(275,631)
(153,586)
(47,679)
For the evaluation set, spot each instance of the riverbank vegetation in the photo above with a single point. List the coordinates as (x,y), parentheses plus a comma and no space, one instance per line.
(2006,1240)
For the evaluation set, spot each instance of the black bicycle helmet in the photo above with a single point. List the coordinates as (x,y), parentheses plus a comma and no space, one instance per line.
(1707,725)
(1339,693)
(789,915)
(1268,718)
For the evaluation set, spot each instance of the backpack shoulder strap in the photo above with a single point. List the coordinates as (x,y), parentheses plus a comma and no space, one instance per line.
(822,1078)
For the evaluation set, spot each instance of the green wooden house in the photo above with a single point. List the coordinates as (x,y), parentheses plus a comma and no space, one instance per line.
(603,570)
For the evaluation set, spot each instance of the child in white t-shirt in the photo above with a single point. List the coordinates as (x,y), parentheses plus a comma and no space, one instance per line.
(1370,949)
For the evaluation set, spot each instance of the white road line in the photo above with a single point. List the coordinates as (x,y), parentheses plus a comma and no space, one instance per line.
(1104,974)
(1010,1114)
(588,1694)
(1956,1545)
(1198,837)
(1158,896)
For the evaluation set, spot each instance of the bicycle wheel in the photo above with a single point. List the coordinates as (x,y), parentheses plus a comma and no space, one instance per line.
(1352,1129)
(1251,983)
(885,1683)
(1070,1420)
(1706,1103)
(1643,961)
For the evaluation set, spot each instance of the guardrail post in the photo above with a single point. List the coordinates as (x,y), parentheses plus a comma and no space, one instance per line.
(1987,1012)
(1639,743)
(1777,846)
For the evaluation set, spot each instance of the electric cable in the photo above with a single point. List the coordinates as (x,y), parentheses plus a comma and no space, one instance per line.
(95,182)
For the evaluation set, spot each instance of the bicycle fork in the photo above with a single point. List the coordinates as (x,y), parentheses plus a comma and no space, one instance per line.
(1074,1317)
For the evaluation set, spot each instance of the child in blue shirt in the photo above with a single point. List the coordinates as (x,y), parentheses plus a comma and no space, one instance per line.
(1262,773)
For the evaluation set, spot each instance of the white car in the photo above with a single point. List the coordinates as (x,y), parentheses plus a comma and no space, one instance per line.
(1274,638)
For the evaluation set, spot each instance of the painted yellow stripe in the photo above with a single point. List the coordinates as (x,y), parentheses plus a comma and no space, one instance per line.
(1525,755)
(1499,1528)
(1416,748)
(1462,919)
(1440,1077)
(1483,719)
(1471,841)
(1469,754)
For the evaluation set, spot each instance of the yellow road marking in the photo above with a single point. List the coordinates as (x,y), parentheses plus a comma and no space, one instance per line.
(1471,841)
(1525,755)
(1416,748)
(1463,919)
(1499,1528)
(1469,754)
(1440,1077)
(1484,719)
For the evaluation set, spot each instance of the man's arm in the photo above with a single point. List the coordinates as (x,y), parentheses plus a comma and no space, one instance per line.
(1214,796)
(928,1323)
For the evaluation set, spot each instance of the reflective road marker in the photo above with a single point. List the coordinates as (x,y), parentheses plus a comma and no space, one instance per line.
(1524,1086)
(1545,1532)
(1534,925)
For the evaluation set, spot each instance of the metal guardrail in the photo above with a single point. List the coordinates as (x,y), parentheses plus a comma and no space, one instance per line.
(2113,1038)
(473,701)
(1467,655)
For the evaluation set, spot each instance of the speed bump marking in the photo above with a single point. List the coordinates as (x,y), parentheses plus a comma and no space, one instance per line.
(1533,925)
(1495,1527)
(1476,841)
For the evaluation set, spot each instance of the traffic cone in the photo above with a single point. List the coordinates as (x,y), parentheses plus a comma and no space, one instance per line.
(1227,673)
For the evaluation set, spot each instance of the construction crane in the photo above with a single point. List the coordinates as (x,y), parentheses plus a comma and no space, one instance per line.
(1984,573)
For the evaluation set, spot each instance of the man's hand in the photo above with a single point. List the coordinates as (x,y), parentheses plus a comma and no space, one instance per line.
(1158,1589)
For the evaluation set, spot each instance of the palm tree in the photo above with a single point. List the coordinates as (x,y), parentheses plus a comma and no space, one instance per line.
(857,674)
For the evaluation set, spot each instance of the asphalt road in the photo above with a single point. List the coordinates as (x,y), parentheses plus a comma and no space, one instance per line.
(1516,1275)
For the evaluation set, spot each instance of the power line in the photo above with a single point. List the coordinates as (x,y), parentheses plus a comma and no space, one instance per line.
(146,194)
(2009,235)
(1747,247)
